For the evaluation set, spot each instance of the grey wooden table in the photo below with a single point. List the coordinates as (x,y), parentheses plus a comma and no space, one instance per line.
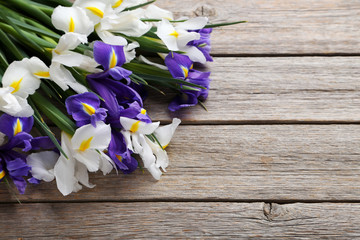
(276,156)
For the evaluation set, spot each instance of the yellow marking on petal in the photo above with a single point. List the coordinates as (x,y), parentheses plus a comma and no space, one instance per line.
(119,157)
(57,52)
(2,174)
(113,59)
(117,4)
(17,127)
(42,74)
(175,34)
(192,66)
(135,127)
(186,71)
(71,25)
(143,111)
(88,109)
(85,144)
(16,85)
(165,146)
(96,11)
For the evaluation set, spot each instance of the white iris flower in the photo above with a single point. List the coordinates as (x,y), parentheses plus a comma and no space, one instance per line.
(20,80)
(153,156)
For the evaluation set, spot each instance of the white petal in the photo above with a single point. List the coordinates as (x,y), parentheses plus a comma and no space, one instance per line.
(68,41)
(72,19)
(162,159)
(138,126)
(18,74)
(64,172)
(106,163)
(165,133)
(90,158)
(127,23)
(164,31)
(95,9)
(193,24)
(146,154)
(74,59)
(127,136)
(38,68)
(99,137)
(129,51)
(82,175)
(154,11)
(194,54)
(135,140)
(14,105)
(64,79)
(64,169)
(147,61)
(109,38)
(42,165)
(154,171)
(185,37)
(122,4)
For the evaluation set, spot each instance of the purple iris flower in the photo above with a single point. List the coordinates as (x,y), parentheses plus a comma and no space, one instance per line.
(111,57)
(120,154)
(117,97)
(85,108)
(135,111)
(203,44)
(12,162)
(180,67)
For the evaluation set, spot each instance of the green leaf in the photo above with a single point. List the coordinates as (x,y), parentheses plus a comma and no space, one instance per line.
(149,44)
(61,120)
(223,24)
(36,30)
(6,19)
(44,128)
(31,10)
(13,49)
(139,6)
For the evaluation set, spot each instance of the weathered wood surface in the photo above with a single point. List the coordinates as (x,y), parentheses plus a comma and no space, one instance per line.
(149,220)
(246,162)
(278,26)
(275,89)
(221,173)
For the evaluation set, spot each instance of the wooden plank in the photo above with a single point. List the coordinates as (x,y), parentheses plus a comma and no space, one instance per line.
(293,89)
(246,162)
(192,220)
(278,26)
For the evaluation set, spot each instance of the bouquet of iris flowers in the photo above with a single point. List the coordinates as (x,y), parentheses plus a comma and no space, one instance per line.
(84,68)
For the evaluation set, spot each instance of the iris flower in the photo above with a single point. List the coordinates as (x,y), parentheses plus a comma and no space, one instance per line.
(154,157)
(180,67)
(176,37)
(12,162)
(20,80)
(85,109)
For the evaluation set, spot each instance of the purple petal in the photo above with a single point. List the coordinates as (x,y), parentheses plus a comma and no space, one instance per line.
(12,126)
(109,56)
(186,99)
(119,153)
(39,143)
(178,65)
(85,108)
(119,73)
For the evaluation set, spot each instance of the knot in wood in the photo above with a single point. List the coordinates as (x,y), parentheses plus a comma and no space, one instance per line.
(205,11)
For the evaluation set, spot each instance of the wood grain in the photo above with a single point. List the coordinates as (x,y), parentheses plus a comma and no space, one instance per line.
(246,162)
(307,89)
(278,26)
(180,221)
